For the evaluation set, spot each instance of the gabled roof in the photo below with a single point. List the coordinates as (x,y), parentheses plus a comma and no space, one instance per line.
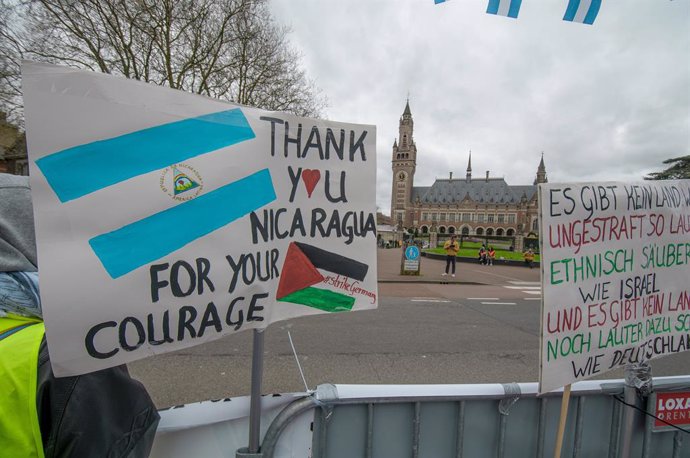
(491,191)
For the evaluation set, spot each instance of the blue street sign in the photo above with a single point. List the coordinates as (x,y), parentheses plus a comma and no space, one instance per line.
(412,253)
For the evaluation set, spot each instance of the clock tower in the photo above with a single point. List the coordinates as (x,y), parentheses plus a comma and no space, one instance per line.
(404,163)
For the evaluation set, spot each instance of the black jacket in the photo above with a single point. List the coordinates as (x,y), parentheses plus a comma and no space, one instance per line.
(102,414)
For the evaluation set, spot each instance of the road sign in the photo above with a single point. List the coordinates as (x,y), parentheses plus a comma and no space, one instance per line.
(412,253)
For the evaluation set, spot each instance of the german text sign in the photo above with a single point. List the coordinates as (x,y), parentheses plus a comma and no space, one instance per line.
(166,219)
(615,266)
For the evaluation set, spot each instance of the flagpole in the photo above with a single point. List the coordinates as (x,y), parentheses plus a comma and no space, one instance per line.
(561,424)
(255,400)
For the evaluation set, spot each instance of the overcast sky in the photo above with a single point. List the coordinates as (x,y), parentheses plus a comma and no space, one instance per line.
(603,102)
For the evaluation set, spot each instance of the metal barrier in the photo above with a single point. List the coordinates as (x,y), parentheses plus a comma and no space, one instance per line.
(436,421)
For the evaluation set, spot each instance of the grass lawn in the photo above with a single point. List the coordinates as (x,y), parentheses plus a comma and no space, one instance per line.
(473,252)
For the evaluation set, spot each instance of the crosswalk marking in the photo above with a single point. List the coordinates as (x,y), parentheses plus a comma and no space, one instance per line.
(527,287)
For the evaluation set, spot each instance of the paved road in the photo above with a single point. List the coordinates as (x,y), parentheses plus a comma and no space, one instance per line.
(421,333)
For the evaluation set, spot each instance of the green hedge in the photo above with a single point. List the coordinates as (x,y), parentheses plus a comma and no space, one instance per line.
(474,253)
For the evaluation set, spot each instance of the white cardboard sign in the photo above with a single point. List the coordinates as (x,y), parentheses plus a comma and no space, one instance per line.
(166,219)
(615,265)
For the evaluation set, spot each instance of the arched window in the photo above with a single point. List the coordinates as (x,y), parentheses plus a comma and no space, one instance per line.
(499,231)
(479,231)
(425,229)
(442,229)
(535,224)
(451,230)
(465,230)
(510,232)
(489,231)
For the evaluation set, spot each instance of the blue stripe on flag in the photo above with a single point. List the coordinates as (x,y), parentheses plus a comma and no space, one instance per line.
(509,8)
(78,171)
(593,11)
(570,11)
(436,2)
(514,8)
(574,11)
(492,8)
(158,235)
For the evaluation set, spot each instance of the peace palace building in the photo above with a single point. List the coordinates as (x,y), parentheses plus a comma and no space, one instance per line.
(482,206)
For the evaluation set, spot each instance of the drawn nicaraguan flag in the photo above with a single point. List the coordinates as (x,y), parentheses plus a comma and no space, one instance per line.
(509,8)
(584,11)
(81,170)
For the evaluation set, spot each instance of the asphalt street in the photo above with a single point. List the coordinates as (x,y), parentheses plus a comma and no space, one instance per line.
(421,333)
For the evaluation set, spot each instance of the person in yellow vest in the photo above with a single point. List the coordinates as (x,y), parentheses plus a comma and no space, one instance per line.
(529,258)
(101,414)
(451,248)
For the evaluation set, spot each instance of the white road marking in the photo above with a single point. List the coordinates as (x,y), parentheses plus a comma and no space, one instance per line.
(499,303)
(531,299)
(482,298)
(428,300)
(526,287)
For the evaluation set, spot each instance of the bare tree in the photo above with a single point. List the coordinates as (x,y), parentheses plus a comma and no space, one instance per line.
(10,56)
(227,49)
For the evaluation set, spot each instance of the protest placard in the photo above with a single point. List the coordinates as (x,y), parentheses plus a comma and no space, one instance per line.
(615,260)
(166,219)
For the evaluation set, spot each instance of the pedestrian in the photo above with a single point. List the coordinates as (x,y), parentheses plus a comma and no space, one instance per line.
(491,256)
(104,413)
(451,248)
(482,255)
(529,257)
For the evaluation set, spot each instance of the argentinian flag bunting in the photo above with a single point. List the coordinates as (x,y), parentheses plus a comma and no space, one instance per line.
(584,11)
(509,8)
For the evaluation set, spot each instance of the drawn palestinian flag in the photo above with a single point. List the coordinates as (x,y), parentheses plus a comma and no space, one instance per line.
(301,271)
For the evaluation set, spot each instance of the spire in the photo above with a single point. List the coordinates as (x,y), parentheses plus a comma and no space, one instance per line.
(541,172)
(468,177)
(407,111)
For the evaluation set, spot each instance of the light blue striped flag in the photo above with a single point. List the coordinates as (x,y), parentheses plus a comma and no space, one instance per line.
(76,172)
(509,8)
(155,236)
(436,2)
(584,11)
(81,170)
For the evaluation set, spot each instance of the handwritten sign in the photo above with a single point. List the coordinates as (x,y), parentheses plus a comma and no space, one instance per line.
(615,276)
(166,219)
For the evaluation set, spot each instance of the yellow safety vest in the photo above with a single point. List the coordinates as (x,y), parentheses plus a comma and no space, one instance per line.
(20,432)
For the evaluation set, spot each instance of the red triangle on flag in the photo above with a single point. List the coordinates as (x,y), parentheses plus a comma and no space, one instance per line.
(298,272)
